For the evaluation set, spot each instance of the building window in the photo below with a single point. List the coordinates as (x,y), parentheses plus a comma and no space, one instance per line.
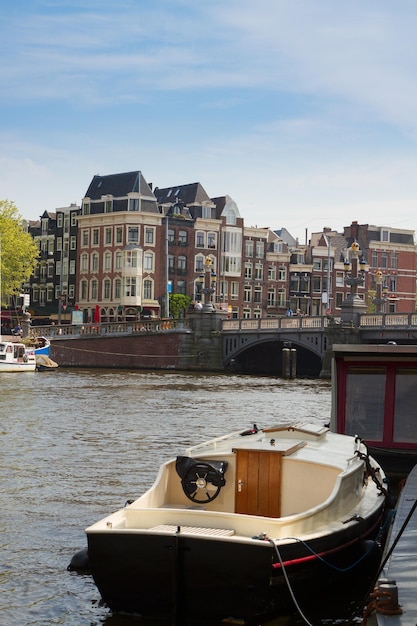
(340,279)
(394,260)
(316,284)
(259,271)
(73,243)
(317,265)
(384,260)
(118,260)
(108,206)
(148,261)
(94,289)
(247,294)
(181,287)
(234,290)
(119,235)
(171,263)
(84,262)
(199,239)
(305,283)
(271,297)
(257,296)
(72,268)
(133,204)
(249,248)
(211,240)
(282,297)
(295,283)
(94,263)
(246,314)
(149,235)
(182,265)
(393,284)
(272,274)
(108,233)
(107,262)
(339,299)
(384,235)
(199,263)
(95,236)
(171,235)
(59,244)
(106,290)
(374,258)
(83,290)
(277,246)
(183,238)
(117,289)
(132,258)
(130,287)
(133,234)
(248,271)
(282,274)
(260,247)
(86,207)
(148,289)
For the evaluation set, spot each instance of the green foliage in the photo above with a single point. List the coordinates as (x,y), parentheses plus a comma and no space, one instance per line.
(18,251)
(178,304)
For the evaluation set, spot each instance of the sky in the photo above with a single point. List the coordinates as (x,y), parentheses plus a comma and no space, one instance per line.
(304,112)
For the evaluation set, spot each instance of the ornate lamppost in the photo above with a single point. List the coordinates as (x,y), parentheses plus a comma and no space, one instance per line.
(353,305)
(380,300)
(208,281)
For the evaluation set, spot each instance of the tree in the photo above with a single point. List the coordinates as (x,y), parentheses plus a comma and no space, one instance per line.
(178,304)
(18,251)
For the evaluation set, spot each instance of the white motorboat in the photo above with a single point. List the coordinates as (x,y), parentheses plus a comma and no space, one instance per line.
(15,357)
(238,527)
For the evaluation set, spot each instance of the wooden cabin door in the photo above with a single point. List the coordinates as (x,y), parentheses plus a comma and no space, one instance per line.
(258,482)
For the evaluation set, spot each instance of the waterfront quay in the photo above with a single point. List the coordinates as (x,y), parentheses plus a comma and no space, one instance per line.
(210,341)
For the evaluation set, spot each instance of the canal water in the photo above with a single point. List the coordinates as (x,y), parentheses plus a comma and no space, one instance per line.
(76,444)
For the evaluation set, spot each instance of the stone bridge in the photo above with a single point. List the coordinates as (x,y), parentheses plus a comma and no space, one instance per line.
(311,336)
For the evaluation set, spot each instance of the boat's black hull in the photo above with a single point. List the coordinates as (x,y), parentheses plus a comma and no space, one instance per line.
(184,580)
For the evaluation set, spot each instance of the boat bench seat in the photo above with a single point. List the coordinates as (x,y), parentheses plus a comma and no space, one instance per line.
(193,530)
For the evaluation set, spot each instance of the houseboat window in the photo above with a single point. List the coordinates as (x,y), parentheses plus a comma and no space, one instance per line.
(405,423)
(365,397)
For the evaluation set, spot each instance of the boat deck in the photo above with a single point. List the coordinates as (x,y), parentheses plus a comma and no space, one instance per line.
(402,565)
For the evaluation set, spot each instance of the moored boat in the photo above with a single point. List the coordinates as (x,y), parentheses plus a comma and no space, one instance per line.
(15,357)
(44,363)
(42,346)
(237,527)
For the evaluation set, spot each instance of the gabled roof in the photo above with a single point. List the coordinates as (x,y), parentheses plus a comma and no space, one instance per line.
(118,185)
(192,193)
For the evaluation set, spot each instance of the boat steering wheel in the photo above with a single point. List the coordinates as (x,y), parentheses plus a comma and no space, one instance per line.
(202,483)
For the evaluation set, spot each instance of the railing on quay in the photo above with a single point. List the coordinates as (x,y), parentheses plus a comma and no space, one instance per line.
(111,328)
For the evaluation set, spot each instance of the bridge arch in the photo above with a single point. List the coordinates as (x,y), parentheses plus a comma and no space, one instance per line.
(265,356)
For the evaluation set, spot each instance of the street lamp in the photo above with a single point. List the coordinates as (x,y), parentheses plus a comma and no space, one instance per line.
(354,276)
(209,281)
(380,299)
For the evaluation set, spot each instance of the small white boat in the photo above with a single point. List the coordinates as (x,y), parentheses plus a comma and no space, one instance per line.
(15,357)
(237,527)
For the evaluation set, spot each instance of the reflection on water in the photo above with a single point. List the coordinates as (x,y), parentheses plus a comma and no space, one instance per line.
(76,444)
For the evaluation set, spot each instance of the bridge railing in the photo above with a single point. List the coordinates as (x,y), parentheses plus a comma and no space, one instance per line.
(399,320)
(112,328)
(368,320)
(276,323)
